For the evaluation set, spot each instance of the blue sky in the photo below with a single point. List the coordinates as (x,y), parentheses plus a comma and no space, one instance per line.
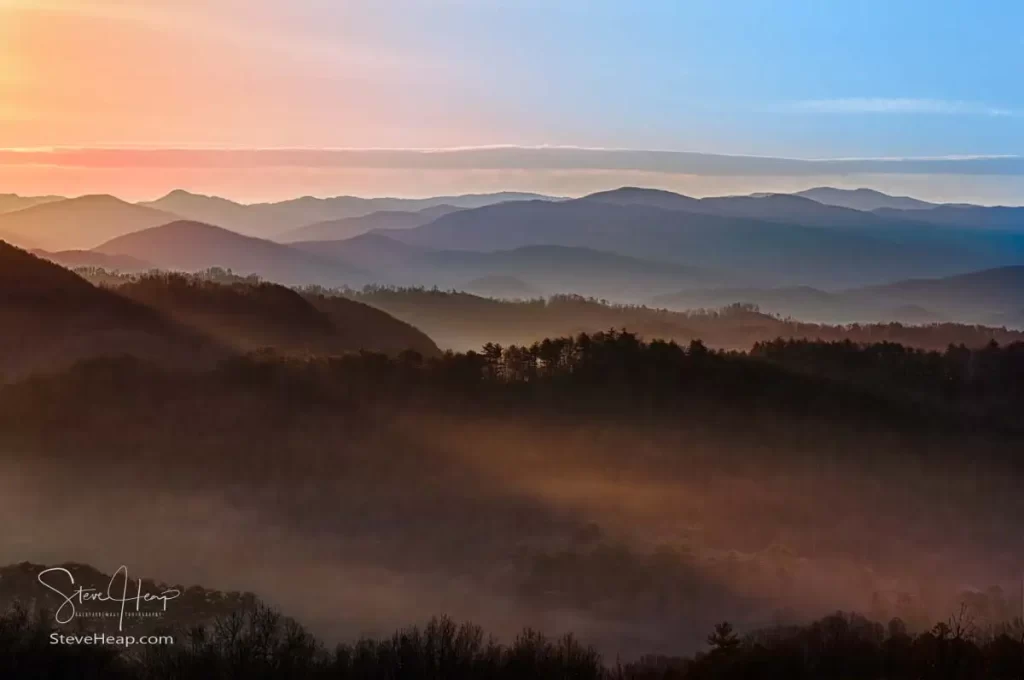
(784,78)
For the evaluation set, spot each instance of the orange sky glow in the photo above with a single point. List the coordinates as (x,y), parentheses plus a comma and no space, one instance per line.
(333,74)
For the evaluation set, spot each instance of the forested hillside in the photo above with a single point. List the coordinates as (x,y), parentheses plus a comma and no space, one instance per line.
(463,321)
(633,493)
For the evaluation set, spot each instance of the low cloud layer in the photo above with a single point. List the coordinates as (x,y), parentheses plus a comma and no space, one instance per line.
(510,158)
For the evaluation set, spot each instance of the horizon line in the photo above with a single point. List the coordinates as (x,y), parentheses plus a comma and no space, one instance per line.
(504,157)
(426,197)
(426,150)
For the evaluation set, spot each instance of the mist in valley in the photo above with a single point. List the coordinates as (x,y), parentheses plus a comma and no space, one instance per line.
(636,532)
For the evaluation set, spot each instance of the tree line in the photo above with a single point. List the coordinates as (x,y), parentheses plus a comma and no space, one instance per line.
(898,384)
(260,643)
(461,320)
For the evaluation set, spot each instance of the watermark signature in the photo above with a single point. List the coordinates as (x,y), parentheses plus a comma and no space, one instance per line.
(62,582)
(111,640)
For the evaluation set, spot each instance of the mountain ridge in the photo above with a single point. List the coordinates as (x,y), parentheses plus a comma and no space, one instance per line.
(250,316)
(190,246)
(863,199)
(542,268)
(61,318)
(983,296)
(79,223)
(277,219)
(14,202)
(763,251)
(348,227)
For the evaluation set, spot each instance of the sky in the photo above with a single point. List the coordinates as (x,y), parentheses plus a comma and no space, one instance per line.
(789,79)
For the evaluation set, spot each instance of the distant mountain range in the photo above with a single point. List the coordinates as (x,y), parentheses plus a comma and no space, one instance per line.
(627,244)
(991,297)
(996,218)
(12,202)
(562,269)
(541,269)
(73,259)
(348,227)
(773,251)
(389,259)
(269,220)
(863,199)
(194,246)
(787,208)
(460,320)
(977,296)
(78,223)
(502,287)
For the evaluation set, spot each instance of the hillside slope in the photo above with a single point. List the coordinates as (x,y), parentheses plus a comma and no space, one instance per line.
(252,316)
(546,269)
(776,253)
(863,199)
(996,218)
(78,223)
(194,246)
(268,220)
(990,296)
(52,317)
(12,202)
(349,227)
(786,208)
(72,259)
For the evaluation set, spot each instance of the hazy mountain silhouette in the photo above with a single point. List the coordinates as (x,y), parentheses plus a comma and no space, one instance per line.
(998,218)
(802,302)
(194,246)
(789,209)
(274,219)
(542,268)
(978,296)
(250,316)
(12,202)
(778,252)
(652,198)
(563,269)
(18,240)
(79,223)
(990,297)
(209,209)
(373,252)
(807,304)
(863,199)
(73,259)
(786,208)
(349,227)
(460,320)
(53,317)
(362,326)
(496,286)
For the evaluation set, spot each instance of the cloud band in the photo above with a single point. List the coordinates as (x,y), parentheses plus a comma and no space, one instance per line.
(509,158)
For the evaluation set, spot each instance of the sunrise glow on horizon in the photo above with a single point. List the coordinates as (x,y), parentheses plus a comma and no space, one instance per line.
(415,74)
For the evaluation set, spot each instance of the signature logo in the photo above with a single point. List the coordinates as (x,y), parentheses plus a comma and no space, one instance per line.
(62,582)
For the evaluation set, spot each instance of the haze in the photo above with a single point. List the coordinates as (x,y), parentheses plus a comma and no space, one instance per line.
(676,326)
